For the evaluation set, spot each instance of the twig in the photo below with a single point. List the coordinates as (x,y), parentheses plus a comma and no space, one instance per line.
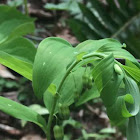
(10,130)
(90,108)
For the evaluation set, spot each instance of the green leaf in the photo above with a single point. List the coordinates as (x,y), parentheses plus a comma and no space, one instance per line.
(18,54)
(103,72)
(120,105)
(133,128)
(94,45)
(126,104)
(135,73)
(13,23)
(118,52)
(132,89)
(52,89)
(130,64)
(53,56)
(21,112)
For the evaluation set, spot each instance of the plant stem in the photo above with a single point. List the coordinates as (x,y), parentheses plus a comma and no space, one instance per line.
(73,65)
(51,117)
(26,7)
(59,88)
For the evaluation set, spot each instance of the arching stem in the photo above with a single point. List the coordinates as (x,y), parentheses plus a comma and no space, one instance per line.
(59,88)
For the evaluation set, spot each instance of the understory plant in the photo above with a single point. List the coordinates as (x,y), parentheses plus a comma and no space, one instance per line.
(61,72)
(62,75)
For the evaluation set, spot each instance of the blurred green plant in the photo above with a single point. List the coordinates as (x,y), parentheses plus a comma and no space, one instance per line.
(68,5)
(72,124)
(15,3)
(13,25)
(8,84)
(57,84)
(116,19)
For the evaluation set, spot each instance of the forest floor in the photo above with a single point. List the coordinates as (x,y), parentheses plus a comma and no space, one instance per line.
(91,115)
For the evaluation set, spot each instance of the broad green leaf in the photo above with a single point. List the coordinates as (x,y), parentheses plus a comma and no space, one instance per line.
(132,89)
(53,56)
(118,52)
(13,23)
(126,104)
(94,45)
(133,128)
(22,112)
(118,112)
(103,72)
(135,73)
(110,89)
(130,64)
(119,106)
(37,108)
(18,54)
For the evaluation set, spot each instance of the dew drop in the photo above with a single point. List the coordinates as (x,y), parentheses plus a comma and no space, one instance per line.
(75,52)
(44,63)
(9,105)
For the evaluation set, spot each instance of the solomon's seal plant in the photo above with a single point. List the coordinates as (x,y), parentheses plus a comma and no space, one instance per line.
(59,70)
(63,75)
